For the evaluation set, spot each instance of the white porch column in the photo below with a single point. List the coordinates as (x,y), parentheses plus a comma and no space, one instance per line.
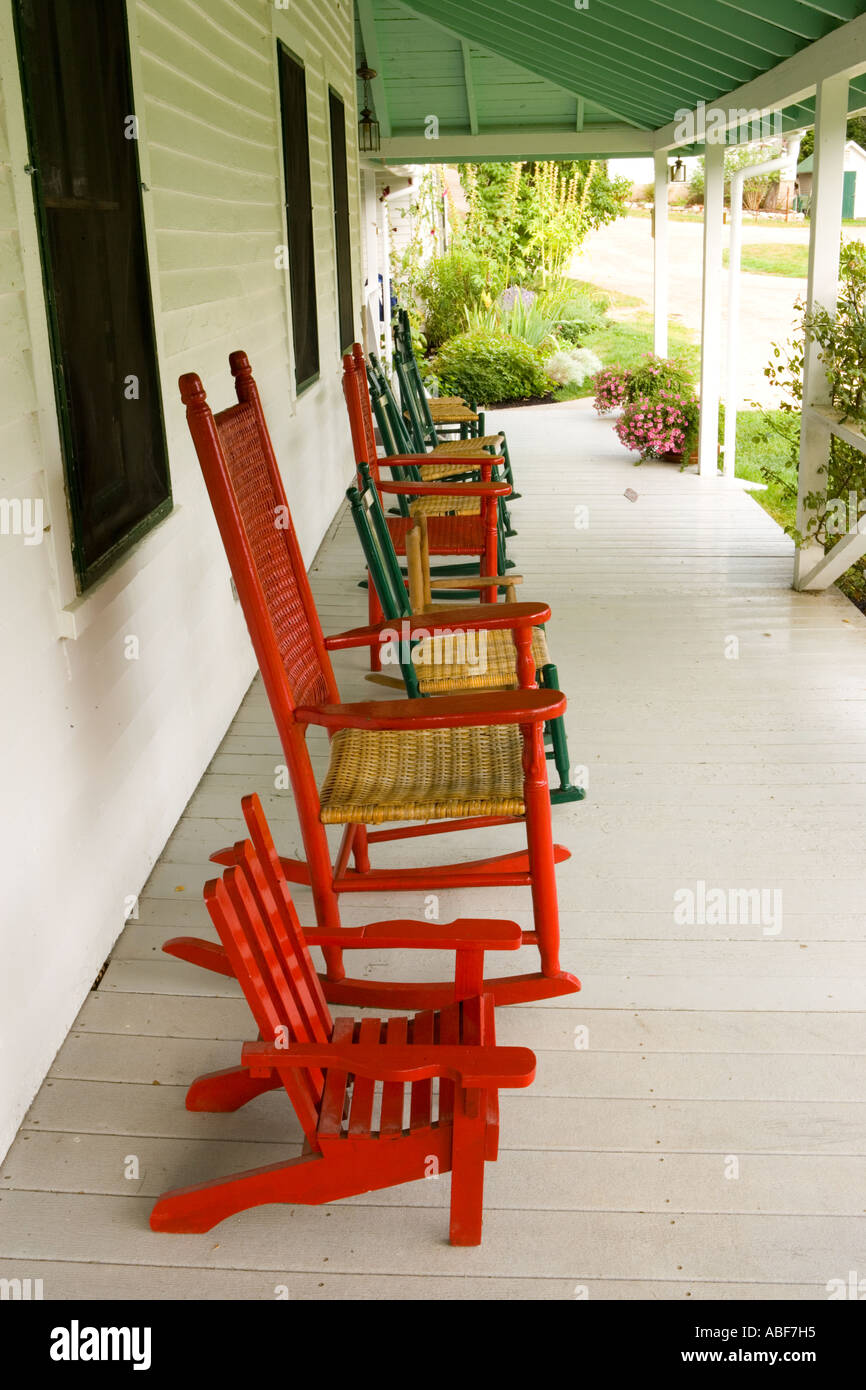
(825,231)
(711,315)
(660,255)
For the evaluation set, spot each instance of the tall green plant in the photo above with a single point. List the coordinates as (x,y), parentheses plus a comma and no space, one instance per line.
(841,338)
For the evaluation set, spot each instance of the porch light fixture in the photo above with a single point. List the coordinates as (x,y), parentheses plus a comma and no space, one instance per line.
(368,126)
(678,172)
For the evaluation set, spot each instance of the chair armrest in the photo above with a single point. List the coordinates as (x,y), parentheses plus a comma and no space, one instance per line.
(458,619)
(407,460)
(469,1066)
(439,712)
(465,934)
(501,489)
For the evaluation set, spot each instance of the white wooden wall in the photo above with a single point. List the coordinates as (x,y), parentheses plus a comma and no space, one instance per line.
(102,752)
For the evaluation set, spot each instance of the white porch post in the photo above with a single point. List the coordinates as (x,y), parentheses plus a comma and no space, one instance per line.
(825,230)
(388,344)
(660,255)
(711,316)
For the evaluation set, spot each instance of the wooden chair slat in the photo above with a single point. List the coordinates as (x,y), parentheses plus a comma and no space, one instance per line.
(363,1090)
(336,1081)
(421,1101)
(393,1092)
(288,937)
(449,1033)
(232,907)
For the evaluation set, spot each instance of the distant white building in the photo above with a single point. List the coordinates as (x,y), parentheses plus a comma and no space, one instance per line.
(854,186)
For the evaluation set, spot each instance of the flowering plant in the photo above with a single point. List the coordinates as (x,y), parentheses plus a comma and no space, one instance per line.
(655,375)
(571,366)
(513,293)
(658,426)
(610,389)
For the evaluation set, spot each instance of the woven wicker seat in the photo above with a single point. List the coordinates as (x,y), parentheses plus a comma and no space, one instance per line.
(466,448)
(437,506)
(495,668)
(422,774)
(448,535)
(435,472)
(445,414)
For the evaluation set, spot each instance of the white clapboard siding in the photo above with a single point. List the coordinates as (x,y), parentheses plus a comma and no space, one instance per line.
(101,754)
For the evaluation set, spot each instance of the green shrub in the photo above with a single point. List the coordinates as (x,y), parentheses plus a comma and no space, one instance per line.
(487,367)
(451,285)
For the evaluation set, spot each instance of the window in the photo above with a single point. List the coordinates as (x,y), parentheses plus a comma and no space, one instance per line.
(83,151)
(342,235)
(299,217)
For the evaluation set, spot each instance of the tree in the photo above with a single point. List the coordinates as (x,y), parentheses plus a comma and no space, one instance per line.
(755,190)
(856,130)
(530,218)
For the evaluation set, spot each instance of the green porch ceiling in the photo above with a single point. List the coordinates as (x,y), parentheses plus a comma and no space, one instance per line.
(504,66)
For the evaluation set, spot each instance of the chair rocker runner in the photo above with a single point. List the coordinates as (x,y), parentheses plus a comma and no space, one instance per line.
(450,763)
(422,673)
(330,1068)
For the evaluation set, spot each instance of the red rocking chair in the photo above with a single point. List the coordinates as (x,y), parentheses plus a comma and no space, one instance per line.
(448,763)
(330,1068)
(462,517)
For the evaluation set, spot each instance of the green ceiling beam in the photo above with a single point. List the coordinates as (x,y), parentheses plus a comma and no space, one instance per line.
(579,115)
(544,56)
(844,10)
(808,24)
(607,44)
(597,90)
(738,28)
(705,45)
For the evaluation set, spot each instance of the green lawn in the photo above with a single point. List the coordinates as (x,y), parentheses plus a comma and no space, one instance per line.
(764,441)
(774,258)
(762,220)
(624,343)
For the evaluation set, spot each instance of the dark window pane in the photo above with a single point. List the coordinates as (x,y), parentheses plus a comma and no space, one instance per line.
(78,100)
(342,235)
(299,217)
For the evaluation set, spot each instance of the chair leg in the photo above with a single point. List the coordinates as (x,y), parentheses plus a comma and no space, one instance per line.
(539,840)
(467,1167)
(196,1209)
(566,791)
(219,1092)
(360,850)
(375,615)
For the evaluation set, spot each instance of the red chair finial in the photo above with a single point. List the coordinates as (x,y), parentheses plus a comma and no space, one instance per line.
(192,392)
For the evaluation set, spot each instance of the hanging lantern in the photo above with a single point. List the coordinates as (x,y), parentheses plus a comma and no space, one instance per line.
(368,126)
(678,172)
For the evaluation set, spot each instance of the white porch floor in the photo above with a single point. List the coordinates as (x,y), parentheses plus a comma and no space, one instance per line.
(707,1043)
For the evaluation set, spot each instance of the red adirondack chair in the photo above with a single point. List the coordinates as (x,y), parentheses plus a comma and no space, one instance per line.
(462,518)
(448,763)
(330,1068)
